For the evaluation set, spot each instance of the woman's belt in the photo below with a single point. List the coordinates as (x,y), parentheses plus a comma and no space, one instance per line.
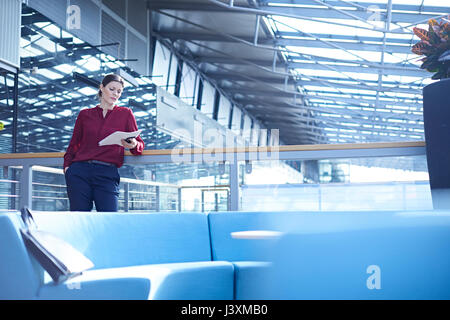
(101,162)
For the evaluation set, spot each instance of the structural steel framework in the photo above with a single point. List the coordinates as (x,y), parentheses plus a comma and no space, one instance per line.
(320,71)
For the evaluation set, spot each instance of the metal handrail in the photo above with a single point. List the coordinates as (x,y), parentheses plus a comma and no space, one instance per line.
(231,156)
(390,148)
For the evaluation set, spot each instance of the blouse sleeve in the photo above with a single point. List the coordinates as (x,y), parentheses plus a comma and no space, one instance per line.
(132,126)
(74,144)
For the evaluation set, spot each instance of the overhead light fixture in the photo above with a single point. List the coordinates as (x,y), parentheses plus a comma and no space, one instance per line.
(89,81)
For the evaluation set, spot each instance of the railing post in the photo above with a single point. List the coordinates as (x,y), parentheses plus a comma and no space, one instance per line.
(234,184)
(26,187)
(179,199)
(157,204)
(404,197)
(203,200)
(320,197)
(216,202)
(126,196)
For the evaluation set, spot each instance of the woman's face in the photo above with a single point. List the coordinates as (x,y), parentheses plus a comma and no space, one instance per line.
(111,92)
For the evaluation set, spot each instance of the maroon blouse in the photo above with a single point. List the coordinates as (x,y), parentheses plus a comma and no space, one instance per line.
(91,127)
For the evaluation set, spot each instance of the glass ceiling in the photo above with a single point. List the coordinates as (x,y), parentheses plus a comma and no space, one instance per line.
(58,77)
(354,64)
(351,62)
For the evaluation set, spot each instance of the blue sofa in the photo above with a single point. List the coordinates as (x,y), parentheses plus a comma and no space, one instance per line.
(192,256)
(338,255)
(136,256)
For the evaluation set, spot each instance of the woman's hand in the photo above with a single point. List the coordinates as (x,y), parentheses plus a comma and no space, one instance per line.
(131,145)
(65,169)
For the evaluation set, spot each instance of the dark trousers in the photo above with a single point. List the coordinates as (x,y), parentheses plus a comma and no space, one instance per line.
(89,183)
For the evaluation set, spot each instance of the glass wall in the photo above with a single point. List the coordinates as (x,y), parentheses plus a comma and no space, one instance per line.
(59,77)
(401,183)
(223,116)
(189,85)
(397,183)
(143,188)
(208,98)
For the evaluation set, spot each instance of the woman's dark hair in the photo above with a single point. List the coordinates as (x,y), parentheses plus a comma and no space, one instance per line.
(109,78)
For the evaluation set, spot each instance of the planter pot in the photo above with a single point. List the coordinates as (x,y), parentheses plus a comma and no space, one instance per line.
(436,116)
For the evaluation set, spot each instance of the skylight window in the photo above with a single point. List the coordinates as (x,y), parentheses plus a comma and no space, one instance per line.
(65,113)
(140,114)
(49,115)
(91,63)
(50,74)
(87,91)
(34,80)
(73,95)
(343,59)
(53,30)
(76,40)
(28,51)
(64,68)
(111,65)
(46,44)
(148,96)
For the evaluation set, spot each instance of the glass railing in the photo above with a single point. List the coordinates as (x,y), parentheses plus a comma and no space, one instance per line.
(375,176)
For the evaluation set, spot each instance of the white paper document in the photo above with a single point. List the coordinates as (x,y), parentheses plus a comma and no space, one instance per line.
(116,137)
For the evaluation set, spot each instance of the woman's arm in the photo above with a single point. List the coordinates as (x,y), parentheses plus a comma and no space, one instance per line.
(74,144)
(132,126)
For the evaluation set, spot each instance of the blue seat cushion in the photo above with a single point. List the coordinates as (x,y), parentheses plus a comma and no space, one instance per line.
(179,281)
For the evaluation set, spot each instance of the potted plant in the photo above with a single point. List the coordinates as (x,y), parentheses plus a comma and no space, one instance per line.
(434,44)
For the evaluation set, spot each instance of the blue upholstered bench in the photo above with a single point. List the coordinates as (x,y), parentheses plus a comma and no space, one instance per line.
(322,255)
(136,256)
(337,255)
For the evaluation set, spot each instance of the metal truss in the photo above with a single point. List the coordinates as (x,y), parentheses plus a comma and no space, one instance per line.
(54,68)
(321,71)
(353,69)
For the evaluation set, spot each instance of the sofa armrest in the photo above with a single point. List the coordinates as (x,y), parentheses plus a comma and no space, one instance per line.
(203,280)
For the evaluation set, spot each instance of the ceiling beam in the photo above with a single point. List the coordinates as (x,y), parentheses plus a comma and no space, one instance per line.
(321,116)
(315,63)
(304,43)
(342,83)
(366,5)
(409,72)
(322,13)
(357,101)
(408,16)
(402,118)
(360,130)
(332,82)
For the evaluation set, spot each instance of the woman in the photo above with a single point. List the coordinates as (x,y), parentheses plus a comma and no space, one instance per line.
(91,171)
